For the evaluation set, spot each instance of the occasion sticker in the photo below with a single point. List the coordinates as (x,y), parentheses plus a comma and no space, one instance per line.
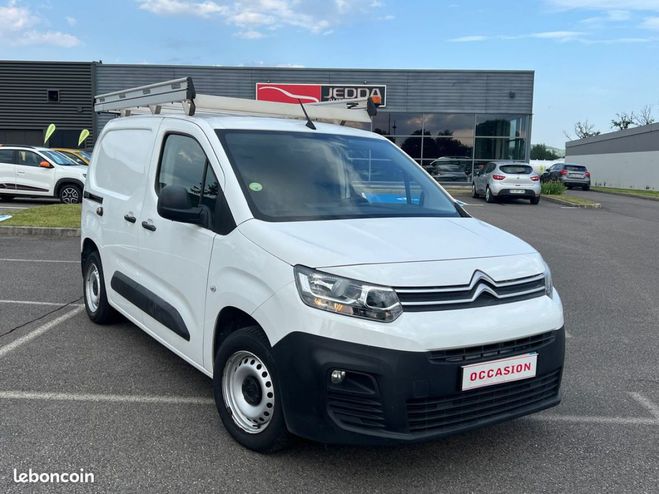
(256,187)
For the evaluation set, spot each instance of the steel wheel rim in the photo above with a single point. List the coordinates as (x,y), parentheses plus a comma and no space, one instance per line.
(70,195)
(248,391)
(93,288)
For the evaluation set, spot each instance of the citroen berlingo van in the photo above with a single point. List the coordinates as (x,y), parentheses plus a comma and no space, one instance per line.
(324,281)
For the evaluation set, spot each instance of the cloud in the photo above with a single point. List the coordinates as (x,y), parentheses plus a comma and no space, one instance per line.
(609,16)
(71,21)
(557,36)
(249,35)
(17,28)
(174,7)
(651,23)
(468,39)
(651,5)
(254,15)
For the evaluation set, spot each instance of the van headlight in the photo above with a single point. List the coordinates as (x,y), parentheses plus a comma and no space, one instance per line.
(345,296)
(549,284)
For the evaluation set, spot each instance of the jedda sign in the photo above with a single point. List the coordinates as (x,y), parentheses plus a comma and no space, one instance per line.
(315,93)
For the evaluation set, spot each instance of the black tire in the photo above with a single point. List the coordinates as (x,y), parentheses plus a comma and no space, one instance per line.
(6,198)
(70,194)
(97,307)
(535,200)
(489,197)
(275,435)
(586,187)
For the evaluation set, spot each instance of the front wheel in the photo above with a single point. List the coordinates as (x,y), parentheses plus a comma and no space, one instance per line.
(247,391)
(70,194)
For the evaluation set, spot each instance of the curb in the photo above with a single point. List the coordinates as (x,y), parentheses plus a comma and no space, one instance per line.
(39,231)
(564,202)
(625,195)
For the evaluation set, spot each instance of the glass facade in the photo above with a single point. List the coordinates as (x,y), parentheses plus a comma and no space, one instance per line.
(451,145)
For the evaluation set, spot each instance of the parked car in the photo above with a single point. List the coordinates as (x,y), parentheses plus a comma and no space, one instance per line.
(570,174)
(500,179)
(320,303)
(29,171)
(449,169)
(80,156)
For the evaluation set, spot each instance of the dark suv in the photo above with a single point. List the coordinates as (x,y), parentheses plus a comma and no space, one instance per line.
(570,174)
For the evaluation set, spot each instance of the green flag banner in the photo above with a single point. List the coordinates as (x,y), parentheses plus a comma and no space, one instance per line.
(49,132)
(83,135)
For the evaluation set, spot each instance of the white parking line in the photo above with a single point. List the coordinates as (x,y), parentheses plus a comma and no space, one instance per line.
(647,403)
(590,419)
(38,332)
(40,260)
(31,302)
(198,400)
(177,400)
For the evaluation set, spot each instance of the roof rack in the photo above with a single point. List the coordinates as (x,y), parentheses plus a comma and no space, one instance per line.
(179,95)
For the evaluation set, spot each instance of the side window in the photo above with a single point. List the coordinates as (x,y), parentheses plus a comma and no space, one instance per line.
(490,168)
(183,162)
(28,158)
(7,156)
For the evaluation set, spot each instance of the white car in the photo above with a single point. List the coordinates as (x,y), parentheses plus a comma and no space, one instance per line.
(512,179)
(323,280)
(29,171)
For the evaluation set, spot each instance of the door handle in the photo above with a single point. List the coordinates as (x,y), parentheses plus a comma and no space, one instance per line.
(149,226)
(130,218)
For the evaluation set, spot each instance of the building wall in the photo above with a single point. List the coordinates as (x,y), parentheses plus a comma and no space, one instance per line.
(25,111)
(627,158)
(488,111)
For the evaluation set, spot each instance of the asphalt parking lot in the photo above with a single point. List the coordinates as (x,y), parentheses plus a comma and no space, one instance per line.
(111,401)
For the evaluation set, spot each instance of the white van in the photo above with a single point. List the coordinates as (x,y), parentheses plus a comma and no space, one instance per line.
(328,285)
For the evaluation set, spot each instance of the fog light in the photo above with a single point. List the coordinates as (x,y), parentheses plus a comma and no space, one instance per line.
(337,376)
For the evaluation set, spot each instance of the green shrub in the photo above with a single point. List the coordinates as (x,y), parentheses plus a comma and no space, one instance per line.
(553,188)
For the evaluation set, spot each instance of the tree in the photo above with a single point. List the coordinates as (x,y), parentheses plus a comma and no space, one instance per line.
(624,120)
(541,152)
(582,130)
(644,117)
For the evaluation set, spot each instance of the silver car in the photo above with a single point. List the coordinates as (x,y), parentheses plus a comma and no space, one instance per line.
(506,179)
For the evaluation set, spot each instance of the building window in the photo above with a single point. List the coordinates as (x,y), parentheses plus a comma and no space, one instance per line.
(501,125)
(500,149)
(53,95)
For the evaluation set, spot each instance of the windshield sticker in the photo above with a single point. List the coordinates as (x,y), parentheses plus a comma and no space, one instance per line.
(256,187)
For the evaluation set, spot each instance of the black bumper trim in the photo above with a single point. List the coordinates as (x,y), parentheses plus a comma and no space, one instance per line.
(386,391)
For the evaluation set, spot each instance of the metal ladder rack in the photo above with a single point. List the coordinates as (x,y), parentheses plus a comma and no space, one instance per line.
(179,96)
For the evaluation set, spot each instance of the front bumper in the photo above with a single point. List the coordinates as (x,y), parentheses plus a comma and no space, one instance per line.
(391,396)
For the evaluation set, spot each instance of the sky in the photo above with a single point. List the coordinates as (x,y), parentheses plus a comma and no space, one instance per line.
(592,58)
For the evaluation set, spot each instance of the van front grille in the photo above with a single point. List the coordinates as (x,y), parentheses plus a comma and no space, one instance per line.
(469,407)
(479,292)
(493,350)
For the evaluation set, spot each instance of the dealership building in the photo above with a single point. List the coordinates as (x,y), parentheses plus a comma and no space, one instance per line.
(464,118)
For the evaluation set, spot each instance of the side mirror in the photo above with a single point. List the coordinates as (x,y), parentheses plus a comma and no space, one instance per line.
(174,204)
(45,164)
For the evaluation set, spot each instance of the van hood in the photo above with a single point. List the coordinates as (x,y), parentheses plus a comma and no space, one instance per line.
(332,243)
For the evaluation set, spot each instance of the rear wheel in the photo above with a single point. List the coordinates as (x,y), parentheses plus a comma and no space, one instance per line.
(93,284)
(586,187)
(70,194)
(489,197)
(247,391)
(535,200)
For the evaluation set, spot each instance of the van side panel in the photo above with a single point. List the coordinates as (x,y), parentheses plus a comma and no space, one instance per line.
(116,184)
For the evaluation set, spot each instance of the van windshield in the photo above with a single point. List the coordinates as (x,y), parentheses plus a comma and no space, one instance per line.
(300,176)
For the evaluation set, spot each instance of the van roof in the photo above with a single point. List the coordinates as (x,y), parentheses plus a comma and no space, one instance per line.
(242,122)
